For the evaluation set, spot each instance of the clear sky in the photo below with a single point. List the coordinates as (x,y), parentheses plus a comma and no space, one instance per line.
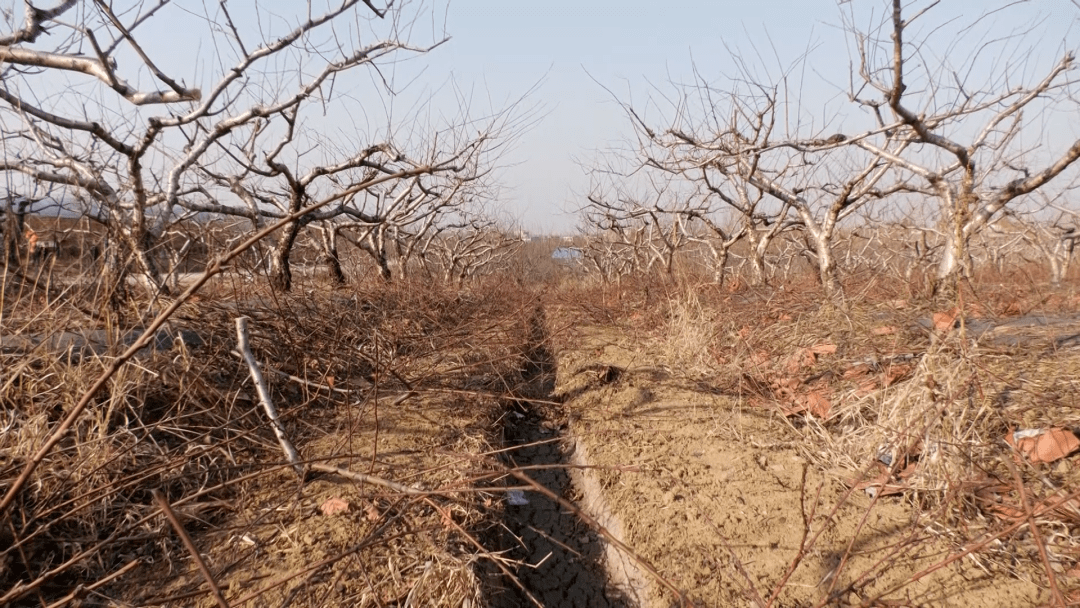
(637,49)
(627,46)
(568,51)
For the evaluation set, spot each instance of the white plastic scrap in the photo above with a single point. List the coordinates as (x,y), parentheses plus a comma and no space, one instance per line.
(516,498)
(1027,433)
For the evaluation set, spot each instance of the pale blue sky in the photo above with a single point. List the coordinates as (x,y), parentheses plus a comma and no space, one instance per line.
(637,48)
(505,47)
(501,49)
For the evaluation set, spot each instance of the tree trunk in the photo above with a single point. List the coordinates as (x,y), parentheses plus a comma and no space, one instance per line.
(375,244)
(384,265)
(280,270)
(14,227)
(150,273)
(401,255)
(720,259)
(821,240)
(950,265)
(176,264)
(830,282)
(758,245)
(954,262)
(671,247)
(330,255)
(114,272)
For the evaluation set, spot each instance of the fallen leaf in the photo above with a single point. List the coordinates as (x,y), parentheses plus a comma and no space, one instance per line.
(1062,504)
(884,330)
(334,506)
(866,387)
(804,357)
(1006,511)
(447,519)
(789,382)
(784,317)
(372,513)
(945,321)
(330,381)
(908,471)
(896,373)
(1045,446)
(814,402)
(819,405)
(823,349)
(878,484)
(854,371)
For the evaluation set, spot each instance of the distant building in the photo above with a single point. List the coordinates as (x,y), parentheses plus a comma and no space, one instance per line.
(566,254)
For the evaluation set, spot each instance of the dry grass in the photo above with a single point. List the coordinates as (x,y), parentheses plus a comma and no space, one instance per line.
(914,415)
(922,415)
(185,421)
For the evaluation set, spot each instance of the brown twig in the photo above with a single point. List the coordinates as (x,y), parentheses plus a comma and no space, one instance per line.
(367,542)
(214,268)
(807,518)
(159,498)
(484,552)
(264,396)
(1059,600)
(372,479)
(84,589)
(971,548)
(603,531)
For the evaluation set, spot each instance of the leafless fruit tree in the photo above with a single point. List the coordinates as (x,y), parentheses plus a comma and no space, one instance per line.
(399,222)
(977,118)
(1046,230)
(87,105)
(466,251)
(738,148)
(652,223)
(974,133)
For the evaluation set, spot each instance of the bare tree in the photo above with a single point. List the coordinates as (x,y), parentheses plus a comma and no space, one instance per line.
(656,229)
(967,147)
(464,252)
(706,155)
(1048,229)
(743,154)
(719,240)
(244,147)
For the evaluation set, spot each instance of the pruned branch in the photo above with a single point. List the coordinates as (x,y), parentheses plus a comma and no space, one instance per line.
(98,69)
(36,19)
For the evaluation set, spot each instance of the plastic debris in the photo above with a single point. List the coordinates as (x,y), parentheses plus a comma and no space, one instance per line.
(516,498)
(1043,445)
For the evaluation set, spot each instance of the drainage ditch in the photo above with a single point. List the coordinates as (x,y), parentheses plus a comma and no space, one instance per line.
(564,561)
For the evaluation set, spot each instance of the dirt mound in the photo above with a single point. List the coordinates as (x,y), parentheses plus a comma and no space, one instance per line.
(727,507)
